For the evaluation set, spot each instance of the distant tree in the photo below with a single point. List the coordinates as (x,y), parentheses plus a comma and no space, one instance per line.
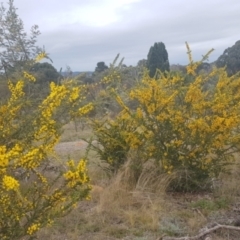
(157,59)
(231,59)
(101,67)
(45,73)
(204,67)
(142,63)
(16,47)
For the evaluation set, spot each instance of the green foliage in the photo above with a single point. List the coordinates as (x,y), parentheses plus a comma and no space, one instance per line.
(230,59)
(157,59)
(211,205)
(45,73)
(17,49)
(111,136)
(100,87)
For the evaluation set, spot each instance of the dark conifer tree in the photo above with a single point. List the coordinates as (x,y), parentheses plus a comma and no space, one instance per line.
(157,59)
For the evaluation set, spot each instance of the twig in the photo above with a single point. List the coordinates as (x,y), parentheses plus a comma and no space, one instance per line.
(199,212)
(207,231)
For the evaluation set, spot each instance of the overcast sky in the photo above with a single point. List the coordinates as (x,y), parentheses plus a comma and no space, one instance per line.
(80,33)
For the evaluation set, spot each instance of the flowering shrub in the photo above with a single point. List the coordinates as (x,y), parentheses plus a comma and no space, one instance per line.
(27,140)
(178,123)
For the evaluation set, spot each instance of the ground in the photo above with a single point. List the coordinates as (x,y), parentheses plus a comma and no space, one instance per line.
(115,212)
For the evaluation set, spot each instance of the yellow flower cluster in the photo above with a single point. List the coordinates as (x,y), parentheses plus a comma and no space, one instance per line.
(16,91)
(57,197)
(32,158)
(112,77)
(29,76)
(9,183)
(33,228)
(58,93)
(4,159)
(7,156)
(86,109)
(74,94)
(41,56)
(77,174)
(191,68)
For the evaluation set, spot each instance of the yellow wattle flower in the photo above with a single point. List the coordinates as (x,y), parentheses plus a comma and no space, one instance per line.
(10,183)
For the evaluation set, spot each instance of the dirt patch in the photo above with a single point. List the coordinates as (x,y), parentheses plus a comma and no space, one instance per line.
(70,147)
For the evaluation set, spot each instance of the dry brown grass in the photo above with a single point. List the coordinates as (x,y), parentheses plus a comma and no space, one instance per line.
(122,208)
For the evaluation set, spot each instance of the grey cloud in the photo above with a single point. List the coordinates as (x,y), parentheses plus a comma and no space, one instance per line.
(204,24)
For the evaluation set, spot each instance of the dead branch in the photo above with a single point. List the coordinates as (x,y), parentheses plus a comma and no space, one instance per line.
(202,234)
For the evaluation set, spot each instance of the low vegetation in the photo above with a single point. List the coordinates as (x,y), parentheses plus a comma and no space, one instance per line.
(119,210)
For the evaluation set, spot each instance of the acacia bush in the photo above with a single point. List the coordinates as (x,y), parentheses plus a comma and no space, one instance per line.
(178,123)
(31,196)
